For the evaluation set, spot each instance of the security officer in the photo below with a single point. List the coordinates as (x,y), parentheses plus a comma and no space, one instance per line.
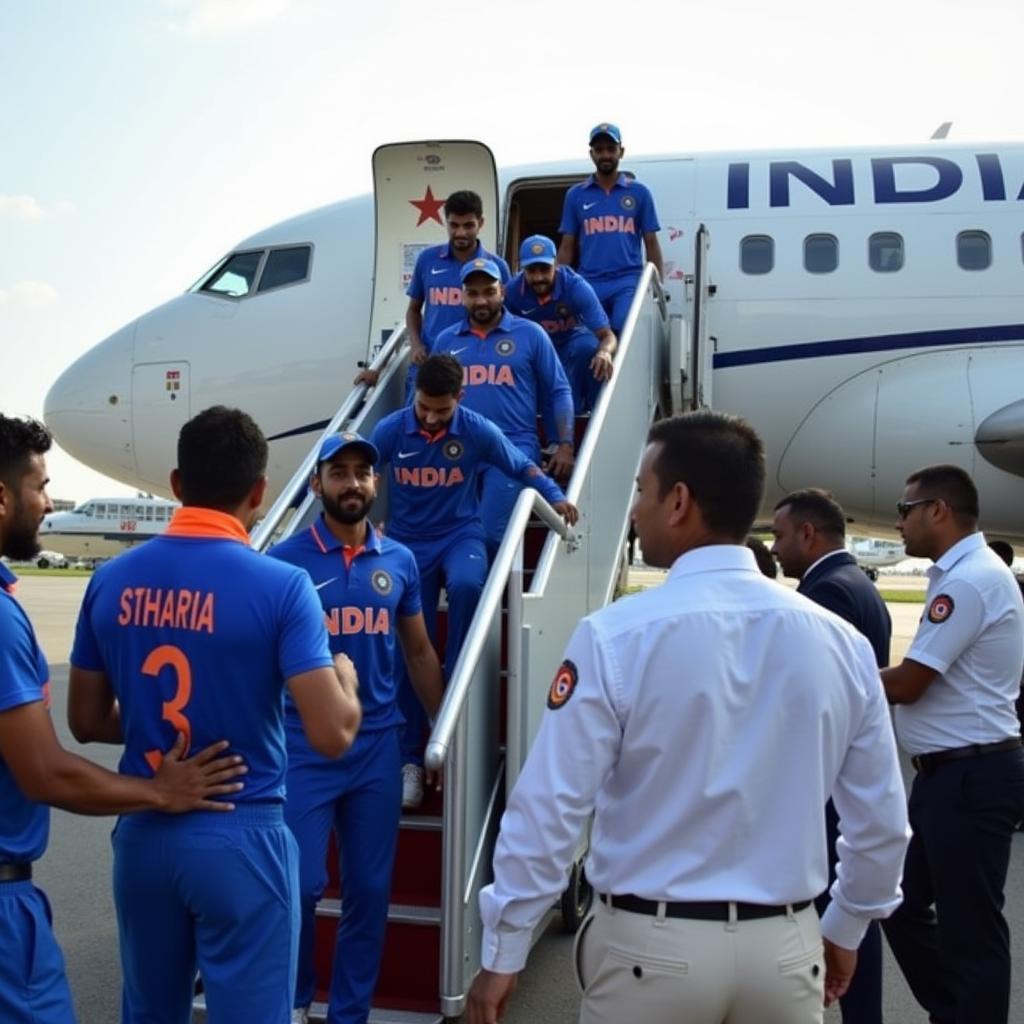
(369,587)
(603,221)
(706,750)
(567,308)
(809,528)
(510,371)
(955,693)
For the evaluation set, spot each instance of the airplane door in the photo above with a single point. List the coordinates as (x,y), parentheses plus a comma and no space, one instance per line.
(161,405)
(701,343)
(411,181)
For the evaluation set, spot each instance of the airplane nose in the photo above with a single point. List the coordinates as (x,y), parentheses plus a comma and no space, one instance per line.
(88,408)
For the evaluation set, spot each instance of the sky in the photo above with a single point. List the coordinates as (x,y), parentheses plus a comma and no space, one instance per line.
(141,139)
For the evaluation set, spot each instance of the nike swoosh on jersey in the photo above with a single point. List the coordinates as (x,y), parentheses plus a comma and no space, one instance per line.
(456,351)
(320,586)
(406,455)
(532,309)
(587,206)
(438,270)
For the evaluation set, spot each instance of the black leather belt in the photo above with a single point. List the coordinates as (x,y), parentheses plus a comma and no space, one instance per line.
(711,911)
(15,872)
(925,763)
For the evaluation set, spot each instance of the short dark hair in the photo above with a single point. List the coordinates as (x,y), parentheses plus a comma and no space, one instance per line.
(440,375)
(1004,549)
(19,440)
(765,562)
(817,507)
(953,485)
(720,458)
(221,455)
(463,203)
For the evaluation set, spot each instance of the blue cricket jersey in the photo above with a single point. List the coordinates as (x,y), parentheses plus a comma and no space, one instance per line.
(24,679)
(433,477)
(363,592)
(197,633)
(609,226)
(509,372)
(571,307)
(435,281)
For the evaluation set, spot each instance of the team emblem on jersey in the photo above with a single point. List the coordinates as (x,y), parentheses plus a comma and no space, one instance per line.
(628,203)
(453,450)
(381,582)
(563,310)
(505,347)
(940,609)
(562,685)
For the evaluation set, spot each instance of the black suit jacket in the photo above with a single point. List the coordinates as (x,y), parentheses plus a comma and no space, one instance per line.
(839,585)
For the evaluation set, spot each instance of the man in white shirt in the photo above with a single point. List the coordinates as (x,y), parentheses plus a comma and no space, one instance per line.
(704,723)
(955,693)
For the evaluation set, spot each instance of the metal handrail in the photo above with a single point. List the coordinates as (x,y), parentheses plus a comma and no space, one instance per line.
(528,502)
(262,534)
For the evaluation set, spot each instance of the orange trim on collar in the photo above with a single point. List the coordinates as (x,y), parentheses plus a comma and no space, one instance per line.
(480,334)
(206,522)
(349,553)
(431,438)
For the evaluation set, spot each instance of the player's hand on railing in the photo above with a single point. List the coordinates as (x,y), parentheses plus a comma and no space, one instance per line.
(569,512)
(190,784)
(367,377)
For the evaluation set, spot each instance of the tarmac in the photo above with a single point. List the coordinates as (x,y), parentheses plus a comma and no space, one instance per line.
(75,872)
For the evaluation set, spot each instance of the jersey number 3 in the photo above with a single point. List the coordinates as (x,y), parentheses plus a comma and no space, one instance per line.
(159,659)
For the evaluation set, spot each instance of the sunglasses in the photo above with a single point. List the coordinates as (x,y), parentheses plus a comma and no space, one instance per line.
(903,507)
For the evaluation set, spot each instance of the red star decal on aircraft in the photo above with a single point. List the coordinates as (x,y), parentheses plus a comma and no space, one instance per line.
(429,207)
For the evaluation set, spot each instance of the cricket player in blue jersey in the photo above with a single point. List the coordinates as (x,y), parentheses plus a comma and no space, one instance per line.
(604,220)
(195,633)
(369,588)
(437,450)
(35,770)
(435,291)
(510,371)
(567,308)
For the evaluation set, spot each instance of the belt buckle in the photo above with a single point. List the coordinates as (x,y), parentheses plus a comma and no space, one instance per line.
(920,763)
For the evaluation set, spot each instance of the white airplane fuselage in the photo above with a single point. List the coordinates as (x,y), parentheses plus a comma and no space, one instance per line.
(101,527)
(853,376)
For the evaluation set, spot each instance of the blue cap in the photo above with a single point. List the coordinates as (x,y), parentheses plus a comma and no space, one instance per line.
(605,128)
(480,266)
(537,249)
(346,439)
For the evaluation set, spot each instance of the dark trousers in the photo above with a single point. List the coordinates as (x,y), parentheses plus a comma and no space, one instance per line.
(862,1003)
(949,935)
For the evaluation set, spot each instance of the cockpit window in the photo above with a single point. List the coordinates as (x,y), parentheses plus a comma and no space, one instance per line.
(285,266)
(84,510)
(235,277)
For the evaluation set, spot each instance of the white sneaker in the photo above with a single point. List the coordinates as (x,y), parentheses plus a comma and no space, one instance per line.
(300,1015)
(412,785)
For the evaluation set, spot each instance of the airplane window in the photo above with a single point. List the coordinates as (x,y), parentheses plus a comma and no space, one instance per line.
(821,254)
(885,252)
(285,266)
(973,250)
(757,254)
(234,277)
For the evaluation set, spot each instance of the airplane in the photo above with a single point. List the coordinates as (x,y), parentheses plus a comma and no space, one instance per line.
(101,527)
(861,307)
(874,553)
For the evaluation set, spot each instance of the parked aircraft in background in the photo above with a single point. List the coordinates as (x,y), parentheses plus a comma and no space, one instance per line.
(101,527)
(874,553)
(861,307)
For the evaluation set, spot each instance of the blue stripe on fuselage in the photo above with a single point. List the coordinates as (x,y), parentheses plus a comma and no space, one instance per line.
(873,343)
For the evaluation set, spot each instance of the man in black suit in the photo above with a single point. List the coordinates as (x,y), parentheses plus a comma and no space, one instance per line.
(810,544)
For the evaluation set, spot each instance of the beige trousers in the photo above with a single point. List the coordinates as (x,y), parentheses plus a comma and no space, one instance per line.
(641,969)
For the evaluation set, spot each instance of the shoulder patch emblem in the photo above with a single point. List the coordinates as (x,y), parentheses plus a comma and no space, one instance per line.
(940,609)
(563,685)
(453,450)
(505,347)
(381,581)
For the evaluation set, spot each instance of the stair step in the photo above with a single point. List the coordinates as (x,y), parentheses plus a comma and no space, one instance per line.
(403,913)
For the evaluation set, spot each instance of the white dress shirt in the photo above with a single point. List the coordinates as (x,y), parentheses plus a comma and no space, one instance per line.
(972,634)
(712,718)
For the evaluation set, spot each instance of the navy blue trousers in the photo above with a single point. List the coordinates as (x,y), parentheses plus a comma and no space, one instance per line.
(949,935)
